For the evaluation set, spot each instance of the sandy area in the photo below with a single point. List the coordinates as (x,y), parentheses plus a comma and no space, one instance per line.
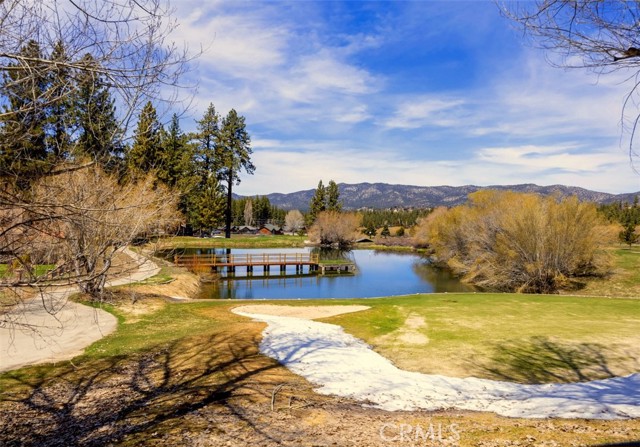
(306,312)
(50,328)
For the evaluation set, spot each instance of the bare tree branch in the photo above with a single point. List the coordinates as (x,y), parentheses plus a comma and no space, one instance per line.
(601,36)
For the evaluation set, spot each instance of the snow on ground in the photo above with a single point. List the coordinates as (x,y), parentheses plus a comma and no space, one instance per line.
(342,365)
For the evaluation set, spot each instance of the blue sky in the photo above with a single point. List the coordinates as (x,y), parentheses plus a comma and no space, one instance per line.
(422,93)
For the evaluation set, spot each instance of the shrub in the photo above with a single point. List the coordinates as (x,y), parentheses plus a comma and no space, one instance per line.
(519,242)
(335,228)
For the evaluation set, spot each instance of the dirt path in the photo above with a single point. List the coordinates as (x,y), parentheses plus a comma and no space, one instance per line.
(50,328)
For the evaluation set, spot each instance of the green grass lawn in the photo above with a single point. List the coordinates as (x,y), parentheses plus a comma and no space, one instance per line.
(40,269)
(524,338)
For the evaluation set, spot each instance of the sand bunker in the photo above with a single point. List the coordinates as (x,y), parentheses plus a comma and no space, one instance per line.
(306,312)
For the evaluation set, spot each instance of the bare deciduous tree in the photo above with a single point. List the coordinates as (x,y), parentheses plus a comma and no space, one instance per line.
(75,223)
(335,228)
(128,42)
(294,221)
(601,36)
(248,213)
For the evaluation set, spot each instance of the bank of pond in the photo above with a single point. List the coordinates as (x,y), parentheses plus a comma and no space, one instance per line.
(371,274)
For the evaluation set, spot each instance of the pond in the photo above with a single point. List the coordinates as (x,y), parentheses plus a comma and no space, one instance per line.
(378,273)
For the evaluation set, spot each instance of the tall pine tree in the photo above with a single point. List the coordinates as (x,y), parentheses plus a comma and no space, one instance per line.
(234,147)
(333,197)
(100,135)
(317,204)
(60,86)
(143,157)
(23,150)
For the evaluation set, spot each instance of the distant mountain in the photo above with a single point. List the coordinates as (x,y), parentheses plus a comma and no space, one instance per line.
(382,195)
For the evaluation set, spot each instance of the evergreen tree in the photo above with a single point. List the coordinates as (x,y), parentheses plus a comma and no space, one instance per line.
(204,165)
(234,148)
(205,210)
(100,136)
(385,231)
(147,145)
(23,150)
(370,230)
(317,205)
(175,157)
(206,143)
(176,163)
(59,112)
(333,197)
(262,210)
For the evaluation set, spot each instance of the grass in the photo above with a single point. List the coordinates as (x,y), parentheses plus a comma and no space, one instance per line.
(40,269)
(625,278)
(523,338)
(178,370)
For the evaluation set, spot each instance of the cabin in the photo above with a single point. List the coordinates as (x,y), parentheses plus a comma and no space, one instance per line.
(270,230)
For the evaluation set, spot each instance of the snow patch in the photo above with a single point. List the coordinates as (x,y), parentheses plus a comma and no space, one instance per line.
(342,365)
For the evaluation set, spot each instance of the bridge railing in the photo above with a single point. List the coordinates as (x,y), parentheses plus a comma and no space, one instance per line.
(248,259)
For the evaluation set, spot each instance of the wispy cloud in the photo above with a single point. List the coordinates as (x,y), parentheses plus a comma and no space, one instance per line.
(426,111)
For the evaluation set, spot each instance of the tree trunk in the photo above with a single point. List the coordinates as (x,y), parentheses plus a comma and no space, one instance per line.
(227,229)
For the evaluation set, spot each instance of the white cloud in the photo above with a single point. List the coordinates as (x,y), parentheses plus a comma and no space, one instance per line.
(425,111)
(537,158)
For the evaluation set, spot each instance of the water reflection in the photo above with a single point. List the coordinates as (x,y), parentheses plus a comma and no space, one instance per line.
(377,274)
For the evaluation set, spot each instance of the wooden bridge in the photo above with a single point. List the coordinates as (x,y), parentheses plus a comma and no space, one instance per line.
(230,262)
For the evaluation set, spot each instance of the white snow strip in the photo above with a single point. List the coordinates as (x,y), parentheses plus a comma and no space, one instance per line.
(342,365)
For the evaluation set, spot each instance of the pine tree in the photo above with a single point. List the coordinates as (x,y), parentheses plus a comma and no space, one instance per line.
(206,140)
(333,197)
(370,230)
(100,135)
(206,205)
(234,148)
(317,204)
(59,112)
(174,155)
(23,151)
(143,156)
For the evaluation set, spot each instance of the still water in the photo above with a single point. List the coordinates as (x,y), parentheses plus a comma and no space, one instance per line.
(378,273)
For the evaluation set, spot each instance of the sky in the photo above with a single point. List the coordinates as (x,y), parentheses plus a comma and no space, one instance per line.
(421,93)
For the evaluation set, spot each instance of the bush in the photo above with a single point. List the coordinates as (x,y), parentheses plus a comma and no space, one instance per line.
(518,242)
(335,228)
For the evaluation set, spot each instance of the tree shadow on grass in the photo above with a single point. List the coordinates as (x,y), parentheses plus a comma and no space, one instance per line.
(543,360)
(114,400)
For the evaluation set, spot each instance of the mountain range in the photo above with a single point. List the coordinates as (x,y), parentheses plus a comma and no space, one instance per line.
(382,195)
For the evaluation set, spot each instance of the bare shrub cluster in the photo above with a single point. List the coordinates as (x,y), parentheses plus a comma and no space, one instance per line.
(335,228)
(518,242)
